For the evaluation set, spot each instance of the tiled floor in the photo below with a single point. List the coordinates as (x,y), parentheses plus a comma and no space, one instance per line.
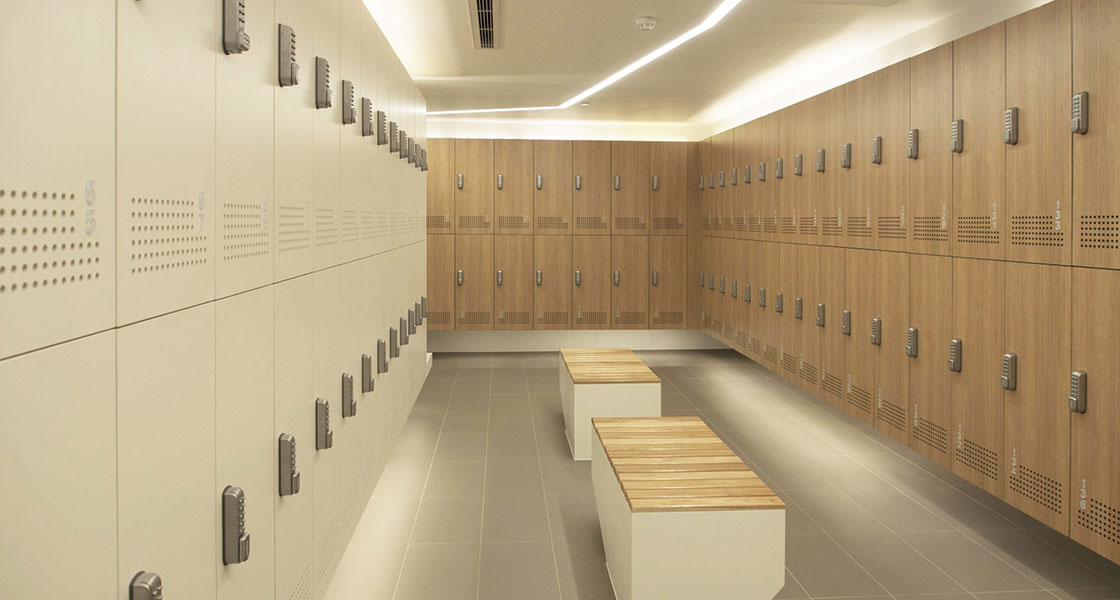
(481,499)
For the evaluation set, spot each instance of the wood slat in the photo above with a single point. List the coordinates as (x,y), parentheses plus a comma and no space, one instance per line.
(606,365)
(697,504)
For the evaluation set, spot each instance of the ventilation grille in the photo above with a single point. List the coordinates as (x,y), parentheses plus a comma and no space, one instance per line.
(832,385)
(831,226)
(513,317)
(741,339)
(353,508)
(439,222)
(294,232)
(706,223)
(728,331)
(740,224)
(439,318)
(893,415)
(859,227)
(552,318)
(1101,519)
(789,363)
(726,223)
(890,227)
(1035,486)
(592,317)
(44,241)
(552,223)
(302,589)
(668,317)
(349,225)
(770,354)
(474,318)
(932,435)
(326,229)
(591,222)
(788,226)
(474,222)
(1100,231)
(508,222)
(859,398)
(631,318)
(977,230)
(166,235)
(1036,230)
(756,345)
(244,231)
(770,225)
(754,225)
(328,547)
(629,223)
(930,229)
(485,34)
(809,373)
(666,223)
(368,229)
(717,326)
(808,225)
(383,223)
(979,459)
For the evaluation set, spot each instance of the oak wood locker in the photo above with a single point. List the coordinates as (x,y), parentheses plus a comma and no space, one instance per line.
(889,181)
(629,188)
(859,297)
(695,235)
(1094,454)
(552,198)
(352,195)
(165,405)
(441,282)
(766,301)
(931,315)
(724,147)
(591,187)
(1036,426)
(707,275)
(552,288)
(326,127)
(931,173)
(725,248)
(667,204)
(668,291)
(792,188)
(891,306)
(740,192)
(44,508)
(834,366)
(513,299)
(707,196)
(860,102)
(808,266)
(474,276)
(832,191)
(69,156)
(165,186)
(327,323)
(756,317)
(630,282)
(979,169)
(246,446)
(353,340)
(1096,181)
(293,415)
(810,140)
(513,186)
(1039,165)
(474,200)
(441,185)
(977,396)
(741,309)
(769,134)
(591,294)
(789,338)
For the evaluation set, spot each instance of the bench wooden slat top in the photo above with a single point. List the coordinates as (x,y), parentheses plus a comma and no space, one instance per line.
(606,365)
(667,464)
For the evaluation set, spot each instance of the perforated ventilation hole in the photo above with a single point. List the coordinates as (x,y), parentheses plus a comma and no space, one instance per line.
(809,373)
(929,228)
(858,226)
(552,318)
(859,398)
(631,318)
(666,224)
(666,317)
(808,225)
(976,230)
(629,223)
(1101,232)
(893,415)
(980,459)
(302,589)
(1101,519)
(932,435)
(591,223)
(439,317)
(513,222)
(244,231)
(770,353)
(328,547)
(787,225)
(592,317)
(1044,491)
(551,223)
(350,230)
(890,228)
(439,222)
(770,225)
(832,385)
(474,318)
(473,222)
(293,229)
(789,363)
(831,226)
(44,241)
(166,235)
(756,345)
(1036,230)
(740,224)
(509,317)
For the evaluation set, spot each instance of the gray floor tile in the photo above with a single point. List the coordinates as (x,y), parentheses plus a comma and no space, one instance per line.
(444,571)
(510,386)
(895,565)
(792,589)
(515,519)
(823,569)
(517,572)
(834,512)
(513,479)
(466,421)
(1039,560)
(512,445)
(972,566)
(461,446)
(470,401)
(449,519)
(456,478)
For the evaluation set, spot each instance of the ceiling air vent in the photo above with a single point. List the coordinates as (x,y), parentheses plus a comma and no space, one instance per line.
(484,23)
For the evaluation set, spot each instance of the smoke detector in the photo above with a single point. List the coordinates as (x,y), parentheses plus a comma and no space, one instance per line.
(645,23)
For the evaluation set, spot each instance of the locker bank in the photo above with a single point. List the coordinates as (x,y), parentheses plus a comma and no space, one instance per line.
(520,300)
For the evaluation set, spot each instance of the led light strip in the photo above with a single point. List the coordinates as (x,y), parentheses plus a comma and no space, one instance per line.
(717,15)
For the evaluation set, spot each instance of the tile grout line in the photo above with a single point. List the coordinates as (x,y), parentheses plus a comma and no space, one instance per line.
(485,468)
(540,466)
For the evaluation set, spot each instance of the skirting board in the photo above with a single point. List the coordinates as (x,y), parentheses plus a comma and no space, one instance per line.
(553,340)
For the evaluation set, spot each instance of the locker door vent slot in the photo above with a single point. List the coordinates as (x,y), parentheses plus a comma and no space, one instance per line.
(1036,230)
(439,222)
(754,225)
(26,217)
(591,317)
(1100,232)
(326,226)
(859,226)
(631,318)
(302,588)
(1040,489)
(788,225)
(929,228)
(667,317)
(932,435)
(328,547)
(166,234)
(666,223)
(979,459)
(1101,519)
(977,230)
(728,331)
(859,398)
(789,363)
(740,338)
(474,318)
(890,228)
(756,345)
(831,226)
(439,318)
(726,224)
(832,385)
(809,373)
(474,222)
(552,223)
(591,222)
(513,317)
(808,225)
(245,230)
(706,223)
(552,318)
(770,225)
(770,354)
(513,222)
(349,225)
(630,223)
(893,415)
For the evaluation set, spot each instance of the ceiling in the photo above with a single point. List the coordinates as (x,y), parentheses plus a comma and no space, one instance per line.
(765,53)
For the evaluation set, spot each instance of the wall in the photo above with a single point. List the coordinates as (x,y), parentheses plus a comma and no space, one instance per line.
(190,257)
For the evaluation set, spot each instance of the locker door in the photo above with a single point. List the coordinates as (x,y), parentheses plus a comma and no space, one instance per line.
(931,314)
(755,318)
(351,145)
(374,157)
(513,300)
(1036,422)
(769,150)
(836,180)
(740,159)
(768,284)
(891,306)
(1096,181)
(791,188)
(630,282)
(890,179)
(348,431)
(808,263)
(861,105)
(1095,456)
(630,197)
(695,235)
(723,283)
(723,155)
(1039,166)
(977,395)
(327,128)
(44,507)
(165,187)
(441,185)
(165,404)
(327,323)
(789,338)
(667,209)
(707,195)
(294,401)
(591,296)
(552,292)
(246,446)
(706,273)
(830,280)
(513,199)
(931,173)
(591,184)
(552,200)
(809,141)
(859,297)
(474,200)
(474,297)
(741,309)
(667,296)
(441,282)
(978,171)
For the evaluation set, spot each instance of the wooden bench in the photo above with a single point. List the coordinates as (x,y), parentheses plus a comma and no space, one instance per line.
(682,516)
(604,382)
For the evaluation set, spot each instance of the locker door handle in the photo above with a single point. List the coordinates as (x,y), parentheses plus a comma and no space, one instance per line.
(734,176)
(655,186)
(912,144)
(579,277)
(1078,392)
(1079,113)
(912,342)
(701,181)
(289,471)
(653,277)
(499,277)
(617,277)
(701,279)
(235,542)
(540,181)
(723,179)
(955,355)
(540,277)
(324,436)
(1010,372)
(501,181)
(459,180)
(459,277)
(145,586)
(617,182)
(349,407)
(579,182)
(876,332)
(956,136)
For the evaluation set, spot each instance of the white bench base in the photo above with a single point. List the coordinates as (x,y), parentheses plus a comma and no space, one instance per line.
(584,401)
(679,554)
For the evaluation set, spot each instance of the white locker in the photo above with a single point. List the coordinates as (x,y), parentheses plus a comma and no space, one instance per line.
(327,376)
(369,411)
(246,448)
(370,154)
(57,183)
(166,56)
(294,112)
(244,177)
(60,500)
(350,69)
(348,431)
(294,415)
(167,505)
(327,128)
(385,160)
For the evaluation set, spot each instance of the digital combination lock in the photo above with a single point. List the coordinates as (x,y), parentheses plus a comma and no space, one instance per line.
(367,117)
(145,586)
(234,38)
(846,156)
(324,436)
(820,315)
(235,542)
(798,164)
(912,342)
(394,343)
(877,150)
(846,322)
(955,355)
(383,135)
(1079,113)
(747,293)
(876,331)
(289,68)
(762,297)
(778,168)
(798,305)
(323,94)
(1010,372)
(1078,391)
(349,114)
(411,321)
(956,136)
(1011,126)
(289,470)
(746,173)
(404,331)
(912,144)
(382,356)
(779,305)
(820,160)
(349,406)
(734,288)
